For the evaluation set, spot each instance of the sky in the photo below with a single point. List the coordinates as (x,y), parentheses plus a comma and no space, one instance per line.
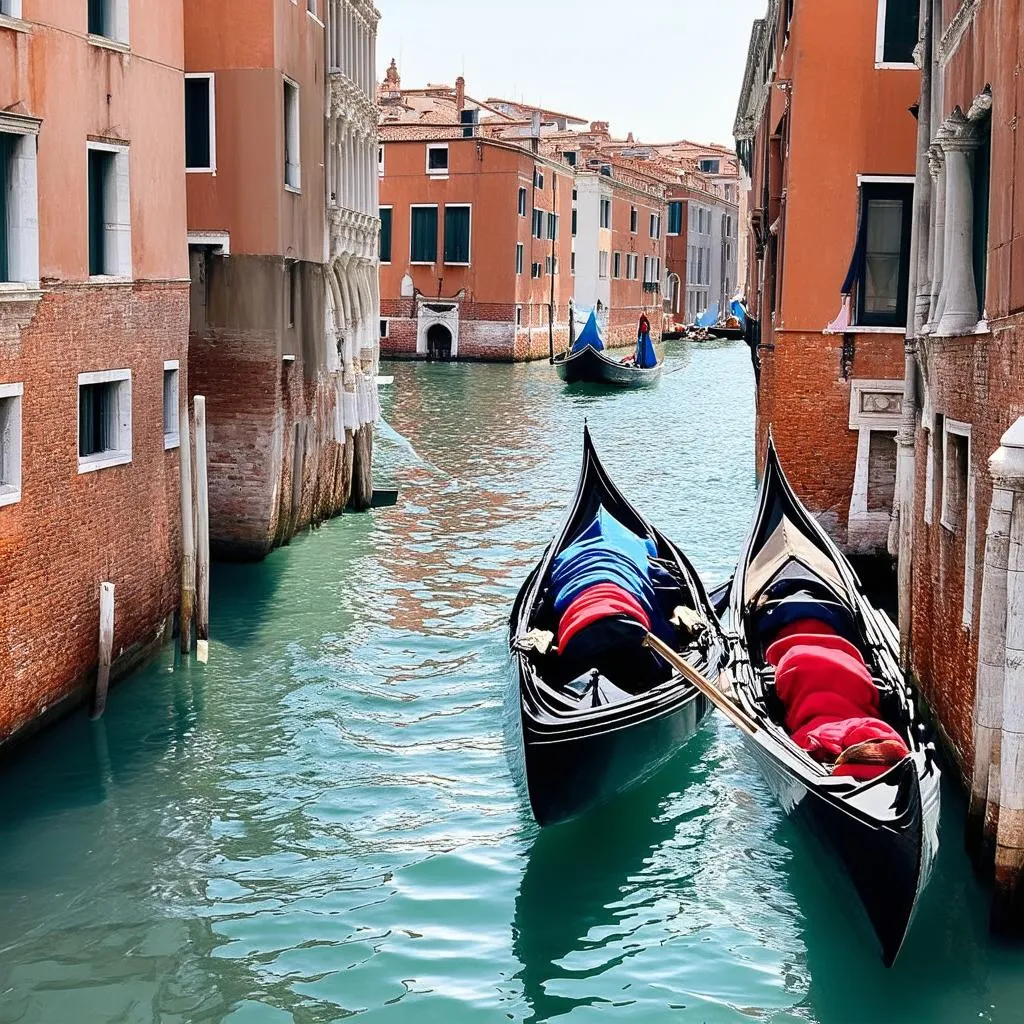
(662,69)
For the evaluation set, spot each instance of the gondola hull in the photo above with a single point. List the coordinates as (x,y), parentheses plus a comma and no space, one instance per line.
(593,367)
(885,831)
(726,333)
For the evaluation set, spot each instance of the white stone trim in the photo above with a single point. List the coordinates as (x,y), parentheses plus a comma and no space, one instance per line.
(123,413)
(427,318)
(959,429)
(212,168)
(885,179)
(438,173)
(292,135)
(172,437)
(10,433)
(220,241)
(875,406)
(117,230)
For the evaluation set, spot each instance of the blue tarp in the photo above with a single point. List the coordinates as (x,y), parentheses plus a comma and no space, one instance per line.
(646,357)
(738,310)
(709,317)
(590,335)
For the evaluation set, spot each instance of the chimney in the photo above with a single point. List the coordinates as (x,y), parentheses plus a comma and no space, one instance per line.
(460,93)
(535,130)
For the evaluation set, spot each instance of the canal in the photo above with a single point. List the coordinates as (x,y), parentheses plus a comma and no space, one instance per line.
(320,822)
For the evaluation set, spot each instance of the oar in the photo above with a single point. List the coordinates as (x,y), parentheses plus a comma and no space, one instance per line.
(736,715)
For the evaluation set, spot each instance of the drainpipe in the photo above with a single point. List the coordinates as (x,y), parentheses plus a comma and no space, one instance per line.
(1007,896)
(901,537)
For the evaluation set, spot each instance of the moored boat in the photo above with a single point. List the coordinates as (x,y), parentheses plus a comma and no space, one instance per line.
(587,362)
(595,716)
(810,649)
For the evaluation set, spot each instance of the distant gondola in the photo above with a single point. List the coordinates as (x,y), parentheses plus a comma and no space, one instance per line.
(582,737)
(884,829)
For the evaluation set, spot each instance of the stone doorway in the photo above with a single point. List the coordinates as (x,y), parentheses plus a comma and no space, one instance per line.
(439,342)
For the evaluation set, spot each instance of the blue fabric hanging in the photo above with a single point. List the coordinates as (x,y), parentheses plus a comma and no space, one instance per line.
(709,317)
(646,357)
(590,335)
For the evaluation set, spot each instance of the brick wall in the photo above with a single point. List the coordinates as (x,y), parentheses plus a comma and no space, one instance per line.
(72,531)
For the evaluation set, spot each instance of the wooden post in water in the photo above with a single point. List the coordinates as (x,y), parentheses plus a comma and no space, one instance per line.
(551,307)
(202,536)
(572,324)
(106,648)
(188,537)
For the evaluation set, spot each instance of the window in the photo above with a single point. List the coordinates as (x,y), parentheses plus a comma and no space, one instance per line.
(385,329)
(437,160)
(311,7)
(616,265)
(19,219)
(897,31)
(108,18)
(110,244)
(171,399)
(885,230)
(574,223)
(675,218)
(710,166)
(200,137)
(552,227)
(519,316)
(10,443)
(522,202)
(631,266)
(538,223)
(292,175)
(634,220)
(10,8)
(380,161)
(456,234)
(538,178)
(535,269)
(385,234)
(602,264)
(606,213)
(700,265)
(655,225)
(104,419)
(572,263)
(291,285)
(956,459)
(570,158)
(423,244)
(519,258)
(550,265)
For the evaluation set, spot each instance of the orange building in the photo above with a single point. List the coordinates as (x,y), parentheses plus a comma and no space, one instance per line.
(282,220)
(93,339)
(829,247)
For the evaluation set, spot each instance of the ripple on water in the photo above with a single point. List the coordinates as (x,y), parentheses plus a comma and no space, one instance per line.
(321,822)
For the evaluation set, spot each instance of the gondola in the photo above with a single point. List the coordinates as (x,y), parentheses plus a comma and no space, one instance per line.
(726,333)
(884,830)
(580,738)
(588,365)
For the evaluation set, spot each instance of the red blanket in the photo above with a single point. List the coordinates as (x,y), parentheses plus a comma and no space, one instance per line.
(598,602)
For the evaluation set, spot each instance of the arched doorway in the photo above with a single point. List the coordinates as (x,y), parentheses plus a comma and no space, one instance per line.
(439,342)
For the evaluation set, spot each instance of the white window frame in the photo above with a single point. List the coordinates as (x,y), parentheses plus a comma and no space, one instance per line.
(958,429)
(119,39)
(616,265)
(634,216)
(600,213)
(172,437)
(122,455)
(438,256)
(519,316)
(10,493)
(459,206)
(14,11)
(438,172)
(292,135)
(880,63)
(212,169)
(117,234)
(962,430)
(23,232)
(380,160)
(602,264)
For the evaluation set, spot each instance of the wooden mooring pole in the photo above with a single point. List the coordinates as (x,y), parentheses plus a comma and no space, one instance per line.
(202,536)
(106,649)
(188,537)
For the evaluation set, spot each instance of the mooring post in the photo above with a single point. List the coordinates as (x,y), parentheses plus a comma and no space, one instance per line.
(106,648)
(188,537)
(202,536)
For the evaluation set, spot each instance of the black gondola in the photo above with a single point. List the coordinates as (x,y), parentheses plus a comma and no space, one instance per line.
(726,333)
(588,365)
(885,830)
(581,741)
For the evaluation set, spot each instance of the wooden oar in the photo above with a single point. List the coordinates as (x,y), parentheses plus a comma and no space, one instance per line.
(735,714)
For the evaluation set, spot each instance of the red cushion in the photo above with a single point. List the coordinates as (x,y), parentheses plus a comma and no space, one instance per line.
(835,737)
(830,642)
(598,602)
(819,682)
(806,627)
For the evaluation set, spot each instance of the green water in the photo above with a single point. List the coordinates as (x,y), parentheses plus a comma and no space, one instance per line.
(320,823)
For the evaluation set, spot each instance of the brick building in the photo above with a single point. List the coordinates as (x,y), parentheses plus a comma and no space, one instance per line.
(960,511)
(829,248)
(94,301)
(282,221)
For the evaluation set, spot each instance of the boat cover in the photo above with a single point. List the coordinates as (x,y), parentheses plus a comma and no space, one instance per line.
(709,317)
(599,602)
(646,357)
(738,310)
(590,335)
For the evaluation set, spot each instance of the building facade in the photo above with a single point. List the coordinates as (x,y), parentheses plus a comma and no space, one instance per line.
(960,513)
(282,226)
(829,248)
(94,301)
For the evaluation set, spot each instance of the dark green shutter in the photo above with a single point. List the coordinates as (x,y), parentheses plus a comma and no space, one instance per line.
(456,234)
(6,175)
(424,234)
(385,236)
(98,162)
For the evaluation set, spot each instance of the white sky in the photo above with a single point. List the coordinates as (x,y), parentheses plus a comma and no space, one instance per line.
(663,69)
